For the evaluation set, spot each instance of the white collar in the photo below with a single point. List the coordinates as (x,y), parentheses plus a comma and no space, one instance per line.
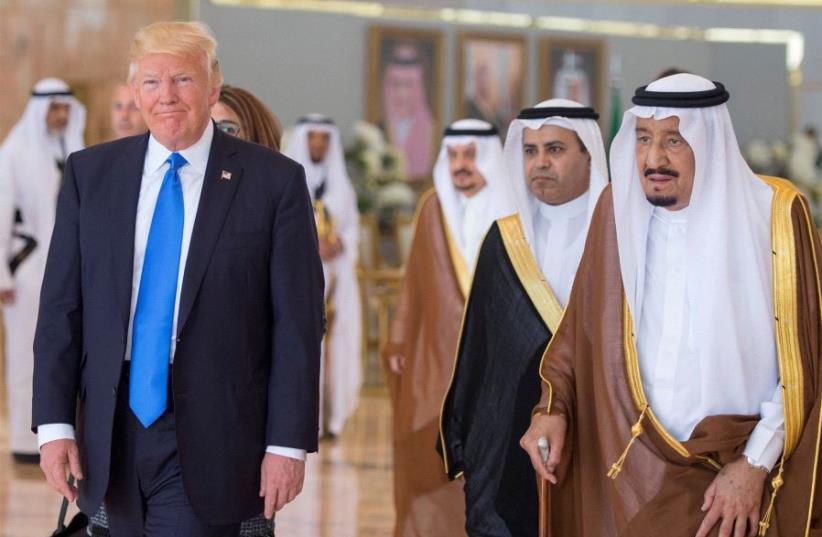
(474,200)
(671,218)
(564,211)
(196,154)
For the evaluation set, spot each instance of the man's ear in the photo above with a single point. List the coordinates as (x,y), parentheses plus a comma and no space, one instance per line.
(213,95)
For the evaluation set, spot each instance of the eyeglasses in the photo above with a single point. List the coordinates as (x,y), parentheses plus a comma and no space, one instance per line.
(229,127)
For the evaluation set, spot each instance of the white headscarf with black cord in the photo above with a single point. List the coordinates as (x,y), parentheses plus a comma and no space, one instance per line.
(560,259)
(728,242)
(492,202)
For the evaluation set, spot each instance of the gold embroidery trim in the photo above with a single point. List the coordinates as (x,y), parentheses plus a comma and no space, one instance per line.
(528,272)
(635,383)
(638,392)
(457,261)
(533,281)
(776,484)
(785,314)
(812,232)
(636,431)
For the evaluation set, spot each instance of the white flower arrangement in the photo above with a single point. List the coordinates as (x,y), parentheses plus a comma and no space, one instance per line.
(370,135)
(373,166)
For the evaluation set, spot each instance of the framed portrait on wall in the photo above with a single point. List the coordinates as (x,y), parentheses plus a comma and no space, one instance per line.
(491,77)
(404,96)
(573,69)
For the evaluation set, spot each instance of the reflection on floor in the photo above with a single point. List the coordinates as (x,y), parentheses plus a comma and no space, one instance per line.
(347,491)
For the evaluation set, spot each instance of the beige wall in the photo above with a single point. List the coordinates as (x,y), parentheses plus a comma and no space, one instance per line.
(84,42)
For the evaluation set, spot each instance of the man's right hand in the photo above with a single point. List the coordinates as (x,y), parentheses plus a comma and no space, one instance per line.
(7,297)
(553,429)
(396,364)
(54,457)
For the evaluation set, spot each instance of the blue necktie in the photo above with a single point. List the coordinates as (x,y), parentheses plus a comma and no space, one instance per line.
(154,316)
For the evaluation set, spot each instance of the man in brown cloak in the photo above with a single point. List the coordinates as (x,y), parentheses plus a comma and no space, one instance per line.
(681,390)
(469,195)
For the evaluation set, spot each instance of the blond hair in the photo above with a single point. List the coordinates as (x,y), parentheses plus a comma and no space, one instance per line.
(184,39)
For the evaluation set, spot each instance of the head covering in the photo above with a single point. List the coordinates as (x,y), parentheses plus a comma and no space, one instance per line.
(582,120)
(728,252)
(329,177)
(31,131)
(29,170)
(496,200)
(409,124)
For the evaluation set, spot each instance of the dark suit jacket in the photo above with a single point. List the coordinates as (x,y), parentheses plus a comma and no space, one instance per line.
(246,368)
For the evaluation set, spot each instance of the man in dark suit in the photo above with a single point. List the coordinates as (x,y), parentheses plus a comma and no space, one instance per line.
(180,321)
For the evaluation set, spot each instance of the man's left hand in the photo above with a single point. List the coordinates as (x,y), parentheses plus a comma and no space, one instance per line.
(735,497)
(281,480)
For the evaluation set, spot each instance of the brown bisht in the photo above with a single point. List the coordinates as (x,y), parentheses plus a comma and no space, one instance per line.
(424,331)
(509,319)
(591,375)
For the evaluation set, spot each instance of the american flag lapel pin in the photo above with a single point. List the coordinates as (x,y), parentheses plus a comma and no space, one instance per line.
(225,176)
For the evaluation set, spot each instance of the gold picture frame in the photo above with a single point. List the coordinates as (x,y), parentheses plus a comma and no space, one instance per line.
(573,69)
(404,96)
(491,77)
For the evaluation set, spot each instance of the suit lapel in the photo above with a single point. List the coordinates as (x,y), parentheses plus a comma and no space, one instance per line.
(123,180)
(222,176)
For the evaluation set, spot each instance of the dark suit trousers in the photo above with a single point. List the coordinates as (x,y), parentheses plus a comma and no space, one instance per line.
(145,495)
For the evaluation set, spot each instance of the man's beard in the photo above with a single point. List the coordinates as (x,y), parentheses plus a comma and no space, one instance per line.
(462,172)
(660,200)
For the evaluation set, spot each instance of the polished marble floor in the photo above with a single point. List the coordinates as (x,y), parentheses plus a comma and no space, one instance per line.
(347,489)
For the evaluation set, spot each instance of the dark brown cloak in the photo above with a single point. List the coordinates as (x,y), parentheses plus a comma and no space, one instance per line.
(425,330)
(591,375)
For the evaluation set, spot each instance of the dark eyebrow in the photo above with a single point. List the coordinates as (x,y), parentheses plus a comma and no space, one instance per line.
(554,142)
(642,129)
(674,132)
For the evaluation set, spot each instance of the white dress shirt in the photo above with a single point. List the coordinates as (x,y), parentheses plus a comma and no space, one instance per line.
(191,178)
(668,364)
(556,229)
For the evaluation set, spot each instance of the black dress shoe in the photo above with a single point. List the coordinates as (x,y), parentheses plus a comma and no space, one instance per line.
(26,458)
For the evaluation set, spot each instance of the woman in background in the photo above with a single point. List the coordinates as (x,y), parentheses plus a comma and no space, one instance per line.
(241,114)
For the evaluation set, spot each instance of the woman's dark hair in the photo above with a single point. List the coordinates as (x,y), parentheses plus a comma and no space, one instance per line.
(257,123)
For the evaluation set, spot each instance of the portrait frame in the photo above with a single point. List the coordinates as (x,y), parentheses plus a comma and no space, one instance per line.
(429,45)
(590,50)
(515,61)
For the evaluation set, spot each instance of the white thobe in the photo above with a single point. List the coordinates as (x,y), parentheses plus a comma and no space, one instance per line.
(667,351)
(471,232)
(558,228)
(36,198)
